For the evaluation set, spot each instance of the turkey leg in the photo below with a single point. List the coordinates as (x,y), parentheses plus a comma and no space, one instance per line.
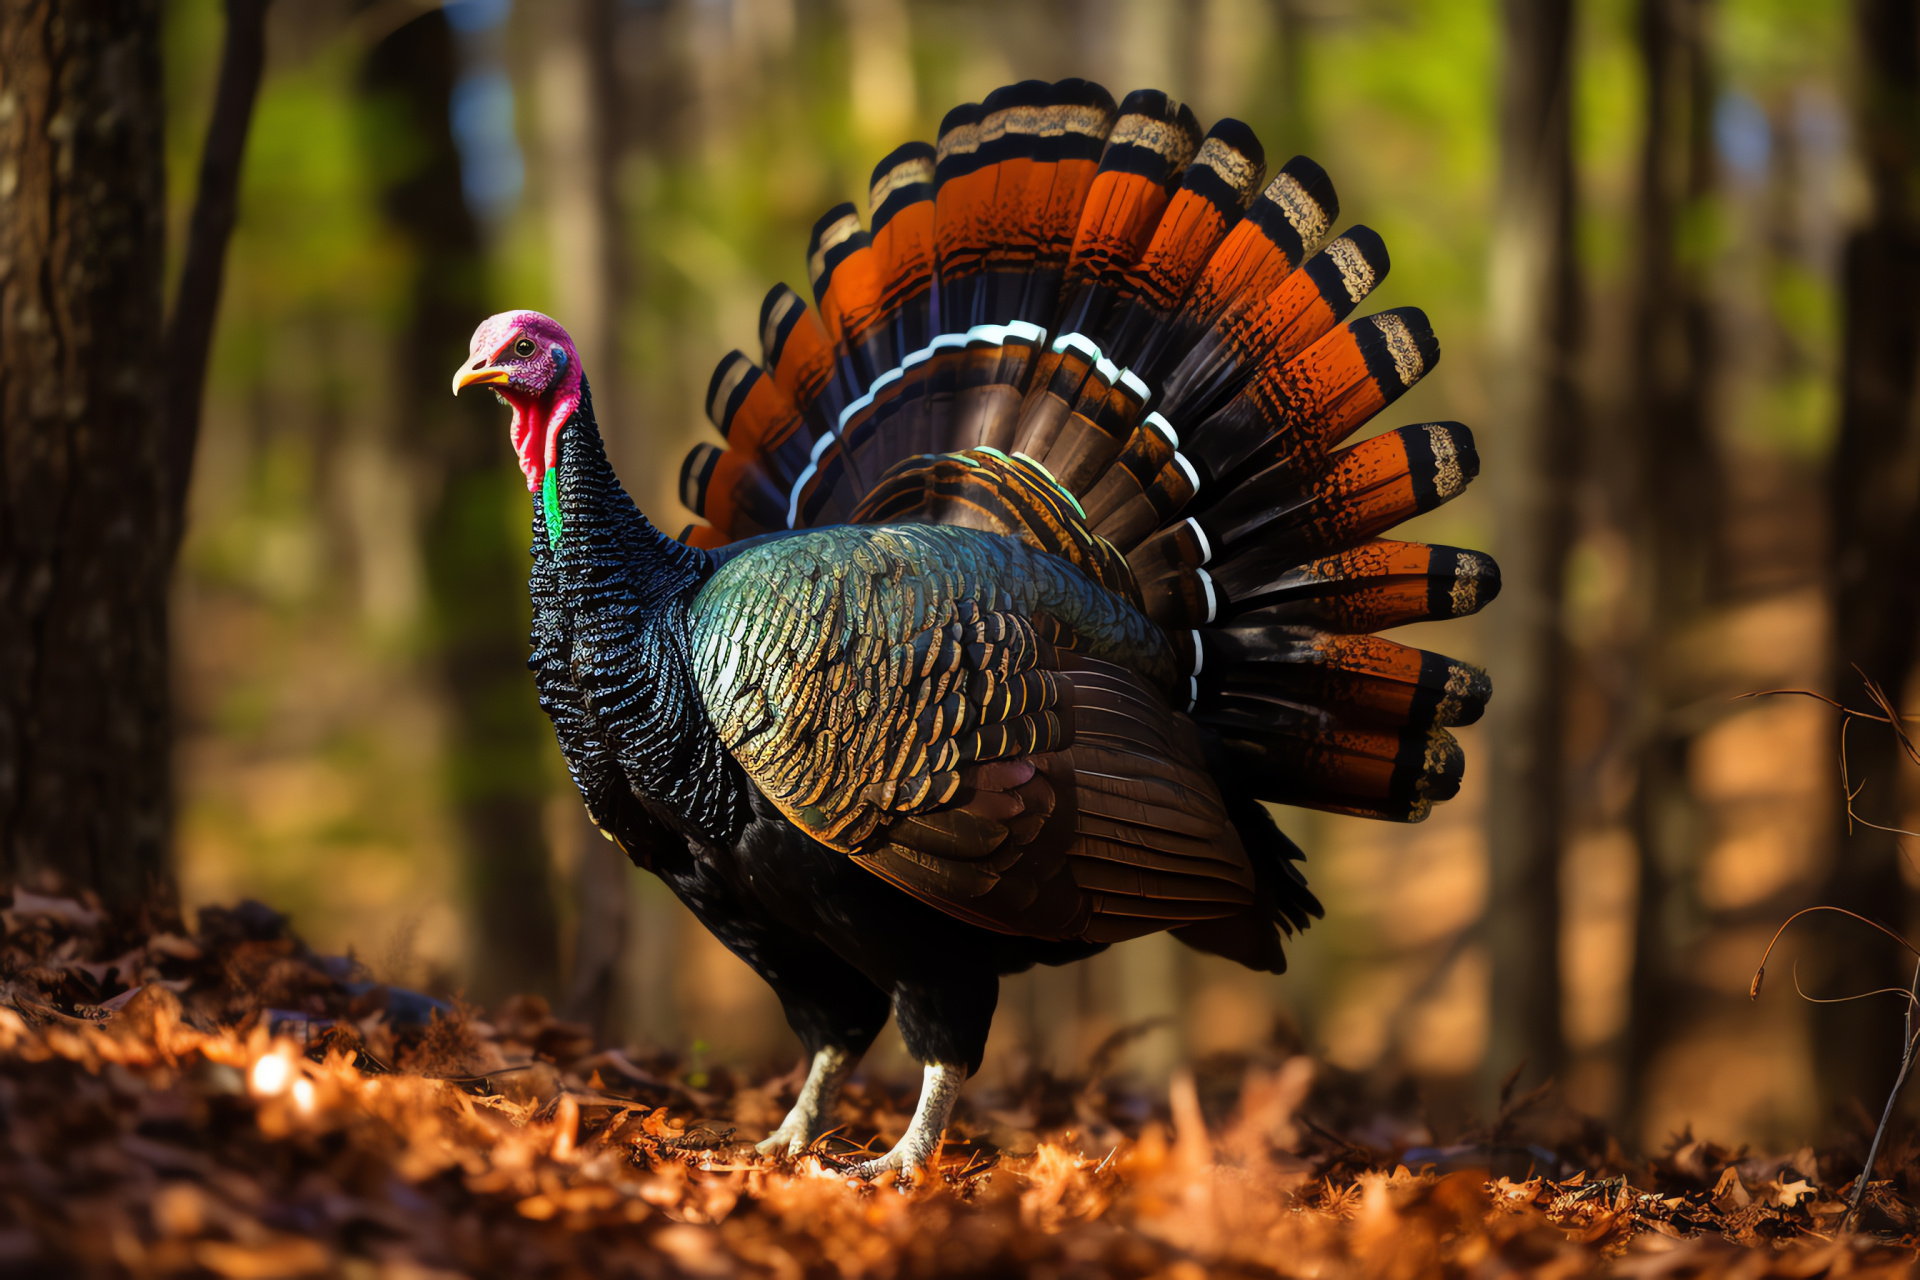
(829,1070)
(919,1147)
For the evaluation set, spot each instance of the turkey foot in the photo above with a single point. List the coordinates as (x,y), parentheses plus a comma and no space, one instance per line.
(829,1070)
(919,1148)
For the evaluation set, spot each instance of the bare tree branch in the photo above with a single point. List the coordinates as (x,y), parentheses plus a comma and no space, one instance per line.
(197,303)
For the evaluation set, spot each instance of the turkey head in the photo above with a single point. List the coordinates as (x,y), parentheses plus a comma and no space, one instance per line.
(531,364)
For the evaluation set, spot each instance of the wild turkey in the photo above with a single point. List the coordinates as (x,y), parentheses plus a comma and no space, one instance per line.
(1032,566)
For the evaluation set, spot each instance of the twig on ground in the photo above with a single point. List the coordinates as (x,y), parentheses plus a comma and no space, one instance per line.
(1886,1115)
(1890,716)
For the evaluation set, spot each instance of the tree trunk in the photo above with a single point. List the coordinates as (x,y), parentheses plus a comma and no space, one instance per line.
(1538,420)
(576,101)
(1876,543)
(84,534)
(1668,501)
(498,742)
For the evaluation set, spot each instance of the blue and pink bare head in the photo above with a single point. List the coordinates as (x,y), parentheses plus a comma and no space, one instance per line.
(530,363)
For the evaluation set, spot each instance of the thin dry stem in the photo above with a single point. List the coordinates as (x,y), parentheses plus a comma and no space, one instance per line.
(1759,974)
(1800,991)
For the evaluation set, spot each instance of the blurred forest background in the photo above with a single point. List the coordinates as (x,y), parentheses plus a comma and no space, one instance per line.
(1670,253)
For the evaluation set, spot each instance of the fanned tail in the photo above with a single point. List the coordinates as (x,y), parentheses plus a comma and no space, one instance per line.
(1092,328)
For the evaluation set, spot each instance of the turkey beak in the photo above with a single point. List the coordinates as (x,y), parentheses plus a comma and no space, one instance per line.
(468,376)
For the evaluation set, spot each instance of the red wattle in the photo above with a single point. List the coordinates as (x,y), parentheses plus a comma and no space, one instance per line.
(536,433)
(522,433)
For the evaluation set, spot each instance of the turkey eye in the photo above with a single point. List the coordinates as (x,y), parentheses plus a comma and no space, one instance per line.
(523,348)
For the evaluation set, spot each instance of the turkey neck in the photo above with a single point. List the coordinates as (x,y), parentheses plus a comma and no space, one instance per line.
(625,587)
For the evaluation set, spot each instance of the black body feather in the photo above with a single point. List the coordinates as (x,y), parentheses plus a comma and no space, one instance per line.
(840,946)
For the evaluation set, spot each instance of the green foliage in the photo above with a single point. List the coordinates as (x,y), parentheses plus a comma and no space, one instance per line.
(1404,103)
(310,236)
(1771,46)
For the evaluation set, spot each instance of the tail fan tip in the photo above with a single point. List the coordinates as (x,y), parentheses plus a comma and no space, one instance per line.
(1102,329)
(732,378)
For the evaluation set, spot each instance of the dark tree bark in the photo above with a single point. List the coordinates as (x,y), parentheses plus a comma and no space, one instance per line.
(1668,500)
(577,101)
(1538,421)
(476,560)
(84,522)
(1875,517)
(243,58)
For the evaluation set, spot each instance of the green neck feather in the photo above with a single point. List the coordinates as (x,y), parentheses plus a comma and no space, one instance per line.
(550,506)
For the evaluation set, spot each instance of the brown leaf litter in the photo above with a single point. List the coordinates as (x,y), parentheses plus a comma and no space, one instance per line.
(227,1103)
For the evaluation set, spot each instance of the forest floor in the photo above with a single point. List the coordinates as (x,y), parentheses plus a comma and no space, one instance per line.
(228,1103)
